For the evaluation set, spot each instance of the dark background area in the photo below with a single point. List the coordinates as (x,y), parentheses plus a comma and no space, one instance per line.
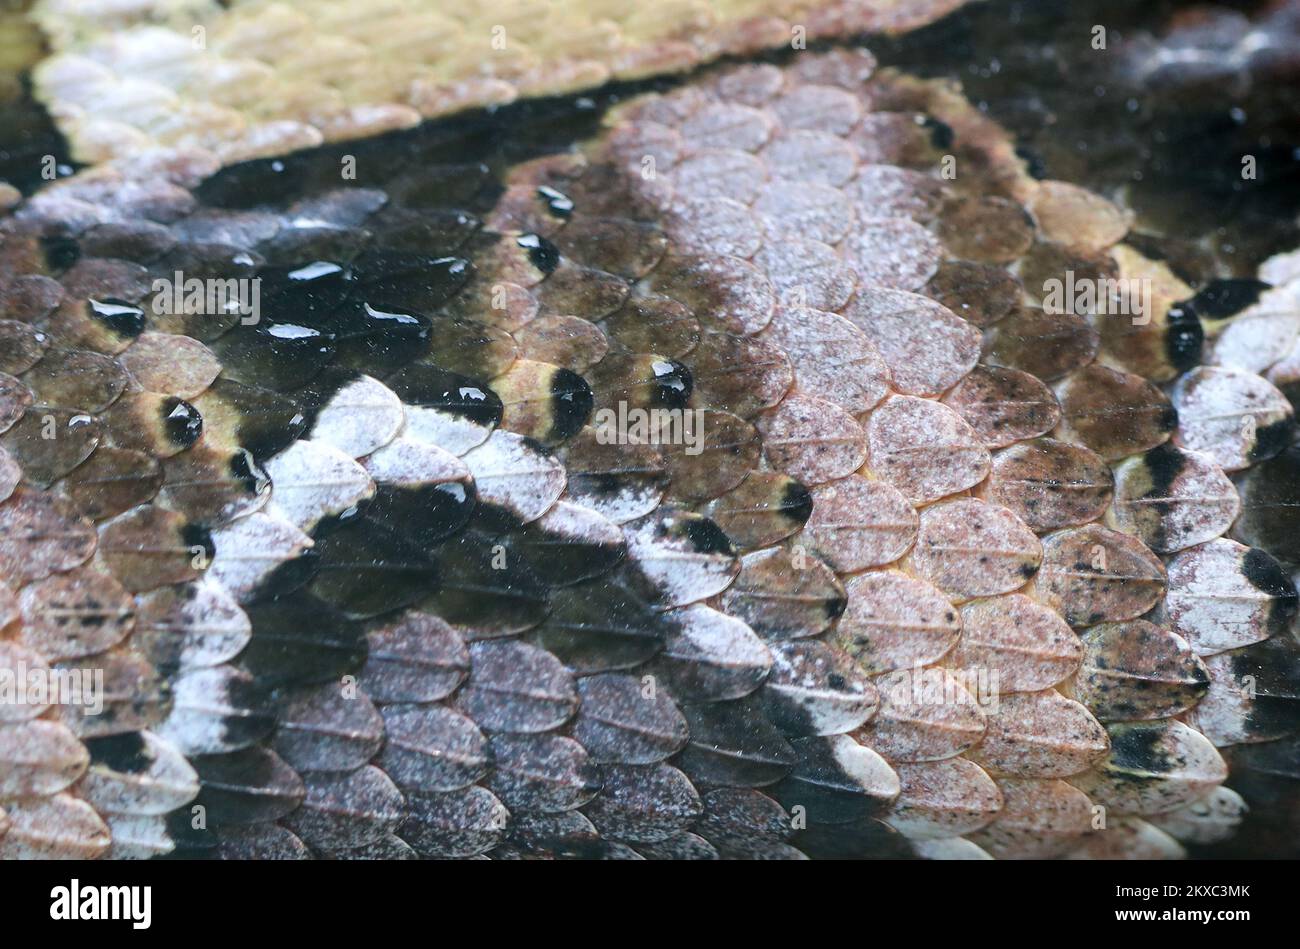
(1167,141)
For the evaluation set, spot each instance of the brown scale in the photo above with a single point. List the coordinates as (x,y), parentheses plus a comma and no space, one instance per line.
(21,345)
(1040,819)
(49,442)
(763,509)
(1026,644)
(924,449)
(739,374)
(728,449)
(1050,484)
(812,440)
(992,230)
(584,291)
(1047,261)
(652,319)
(44,534)
(1040,735)
(1004,406)
(915,725)
(726,294)
(782,599)
(1120,662)
(75,614)
(858,523)
(941,800)
(831,357)
(152,547)
(894,621)
(1044,344)
(82,379)
(113,481)
(166,362)
(1116,414)
(135,696)
(569,342)
(30,297)
(969,549)
(927,347)
(47,757)
(1078,219)
(1091,574)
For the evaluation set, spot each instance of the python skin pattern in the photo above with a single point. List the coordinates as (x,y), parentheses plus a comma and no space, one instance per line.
(627,435)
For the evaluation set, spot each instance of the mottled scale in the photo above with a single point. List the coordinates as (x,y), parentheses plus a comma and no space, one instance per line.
(1026,645)
(1138,670)
(785,594)
(1039,735)
(712,656)
(515,687)
(816,689)
(625,719)
(327,729)
(837,781)
(432,749)
(925,715)
(1153,768)
(343,812)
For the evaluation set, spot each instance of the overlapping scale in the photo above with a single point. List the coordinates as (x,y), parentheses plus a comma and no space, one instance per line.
(754,506)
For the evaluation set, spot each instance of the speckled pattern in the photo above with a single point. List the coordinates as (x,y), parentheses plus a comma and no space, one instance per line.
(366,577)
(249,78)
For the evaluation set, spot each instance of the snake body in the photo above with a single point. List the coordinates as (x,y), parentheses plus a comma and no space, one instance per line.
(387,572)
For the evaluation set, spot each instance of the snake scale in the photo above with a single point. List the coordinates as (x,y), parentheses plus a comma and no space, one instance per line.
(375,562)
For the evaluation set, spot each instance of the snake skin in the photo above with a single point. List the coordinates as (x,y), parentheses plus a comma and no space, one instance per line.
(949,578)
(249,78)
